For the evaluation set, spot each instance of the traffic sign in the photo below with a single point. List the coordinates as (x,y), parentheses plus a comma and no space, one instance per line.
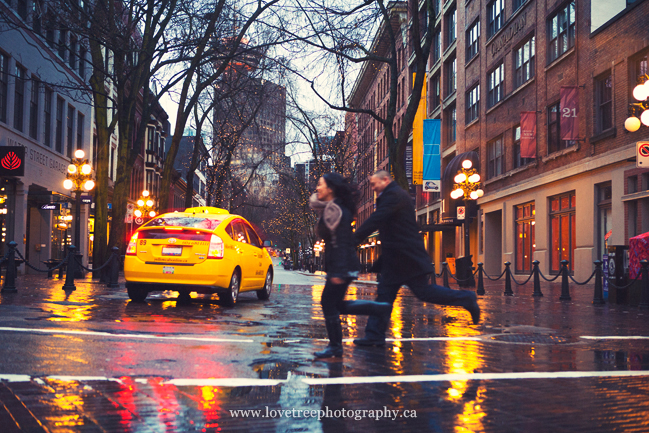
(642,154)
(139,221)
(461,212)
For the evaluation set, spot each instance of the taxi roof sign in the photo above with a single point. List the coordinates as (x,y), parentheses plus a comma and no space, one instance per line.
(207,209)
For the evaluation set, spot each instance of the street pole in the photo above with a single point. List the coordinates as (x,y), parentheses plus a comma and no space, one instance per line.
(78,272)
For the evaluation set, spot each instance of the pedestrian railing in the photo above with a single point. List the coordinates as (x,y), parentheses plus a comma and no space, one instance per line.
(70,260)
(536,275)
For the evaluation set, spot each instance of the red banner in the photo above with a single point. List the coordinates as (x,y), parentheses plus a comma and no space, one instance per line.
(569,110)
(528,134)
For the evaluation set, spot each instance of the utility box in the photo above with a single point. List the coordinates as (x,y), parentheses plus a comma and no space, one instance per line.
(618,274)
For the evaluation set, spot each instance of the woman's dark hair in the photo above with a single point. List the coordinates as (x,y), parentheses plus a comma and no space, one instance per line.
(343,189)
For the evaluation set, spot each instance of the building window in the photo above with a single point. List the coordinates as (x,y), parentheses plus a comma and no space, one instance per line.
(435,92)
(50,27)
(437,45)
(4,82)
(525,242)
(451,74)
(472,103)
(451,115)
(496,16)
(495,158)
(82,61)
(63,48)
(495,85)
(640,69)
(604,103)
(37,14)
(70,122)
(473,40)
(451,26)
(517,4)
(19,98)
(562,230)
(48,117)
(60,103)
(524,62)
(518,161)
(561,31)
(555,143)
(605,217)
(112,162)
(80,125)
(33,109)
(72,60)
(21,8)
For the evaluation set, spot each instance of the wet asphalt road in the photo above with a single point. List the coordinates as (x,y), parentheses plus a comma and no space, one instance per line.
(91,360)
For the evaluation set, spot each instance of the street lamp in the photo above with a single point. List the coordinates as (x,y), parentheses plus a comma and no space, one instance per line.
(318,248)
(641,108)
(78,179)
(145,206)
(467,187)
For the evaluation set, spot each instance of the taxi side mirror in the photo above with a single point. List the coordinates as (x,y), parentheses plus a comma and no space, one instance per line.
(267,244)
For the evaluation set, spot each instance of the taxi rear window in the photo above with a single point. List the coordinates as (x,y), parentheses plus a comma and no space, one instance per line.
(197,222)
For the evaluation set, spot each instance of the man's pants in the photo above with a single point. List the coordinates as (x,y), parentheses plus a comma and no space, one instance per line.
(377,325)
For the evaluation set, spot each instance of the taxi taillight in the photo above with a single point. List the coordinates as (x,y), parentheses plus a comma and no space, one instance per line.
(216,248)
(130,249)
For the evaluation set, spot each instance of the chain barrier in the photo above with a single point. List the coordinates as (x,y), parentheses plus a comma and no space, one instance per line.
(585,282)
(549,280)
(494,279)
(523,283)
(63,262)
(637,277)
(464,280)
(108,262)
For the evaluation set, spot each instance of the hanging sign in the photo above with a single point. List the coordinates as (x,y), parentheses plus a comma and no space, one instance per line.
(432,161)
(50,206)
(528,134)
(569,110)
(12,161)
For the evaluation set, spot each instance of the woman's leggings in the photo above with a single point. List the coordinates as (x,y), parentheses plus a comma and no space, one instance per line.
(332,298)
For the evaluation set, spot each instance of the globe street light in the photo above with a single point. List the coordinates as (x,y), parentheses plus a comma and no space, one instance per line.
(145,206)
(467,187)
(78,179)
(640,108)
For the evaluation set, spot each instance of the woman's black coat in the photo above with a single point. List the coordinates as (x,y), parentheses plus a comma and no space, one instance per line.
(340,256)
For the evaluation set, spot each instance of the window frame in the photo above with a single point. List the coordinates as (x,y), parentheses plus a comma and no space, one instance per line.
(473,40)
(559,215)
(451,76)
(452,124)
(495,17)
(34,107)
(559,40)
(558,144)
(4,86)
(495,91)
(524,71)
(495,160)
(518,161)
(451,26)
(70,130)
(524,224)
(602,105)
(473,103)
(19,97)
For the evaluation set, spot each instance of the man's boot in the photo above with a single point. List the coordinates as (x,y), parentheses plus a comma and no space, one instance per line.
(367,308)
(335,334)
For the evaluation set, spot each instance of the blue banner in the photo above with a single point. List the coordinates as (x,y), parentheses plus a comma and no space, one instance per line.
(432,176)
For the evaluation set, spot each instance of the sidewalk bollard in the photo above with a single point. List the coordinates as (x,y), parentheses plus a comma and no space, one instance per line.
(114,269)
(537,279)
(598,298)
(565,290)
(480,290)
(508,280)
(433,278)
(644,303)
(10,278)
(445,274)
(69,275)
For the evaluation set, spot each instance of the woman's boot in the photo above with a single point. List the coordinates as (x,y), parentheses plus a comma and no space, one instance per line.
(367,308)
(335,334)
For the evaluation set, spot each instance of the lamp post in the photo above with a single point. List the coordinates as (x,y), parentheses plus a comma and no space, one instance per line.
(145,206)
(318,248)
(467,187)
(78,179)
(640,108)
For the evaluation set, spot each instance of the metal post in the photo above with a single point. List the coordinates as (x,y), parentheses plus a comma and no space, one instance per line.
(508,280)
(69,276)
(644,303)
(480,290)
(433,278)
(10,278)
(565,290)
(537,279)
(445,274)
(114,269)
(598,298)
(78,272)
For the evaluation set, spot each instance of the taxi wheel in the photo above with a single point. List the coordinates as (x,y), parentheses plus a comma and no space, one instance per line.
(136,293)
(264,293)
(230,297)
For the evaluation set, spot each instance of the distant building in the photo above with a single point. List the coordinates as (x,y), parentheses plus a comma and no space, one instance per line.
(182,164)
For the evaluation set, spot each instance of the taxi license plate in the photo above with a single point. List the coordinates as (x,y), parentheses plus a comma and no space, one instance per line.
(172,251)
(167,269)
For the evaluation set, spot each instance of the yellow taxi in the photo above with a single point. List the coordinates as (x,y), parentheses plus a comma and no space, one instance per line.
(203,249)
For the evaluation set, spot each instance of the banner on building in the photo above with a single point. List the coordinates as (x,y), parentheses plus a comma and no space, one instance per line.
(432,158)
(569,110)
(12,161)
(417,131)
(528,134)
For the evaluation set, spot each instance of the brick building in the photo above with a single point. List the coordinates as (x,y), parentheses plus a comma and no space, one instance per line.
(492,60)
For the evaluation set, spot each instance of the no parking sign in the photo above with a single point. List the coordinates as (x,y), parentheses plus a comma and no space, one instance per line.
(642,154)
